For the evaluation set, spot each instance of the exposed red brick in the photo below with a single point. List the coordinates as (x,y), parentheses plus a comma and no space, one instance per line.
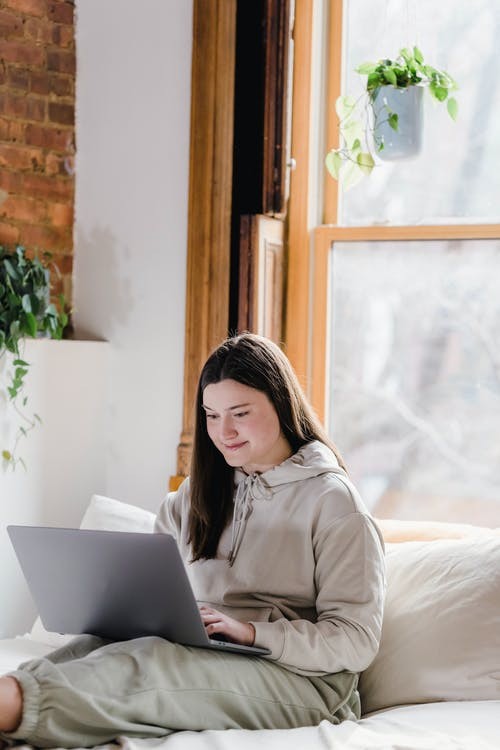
(18,78)
(61,113)
(61,12)
(37,89)
(40,186)
(29,7)
(23,209)
(62,85)
(12,106)
(22,106)
(12,130)
(45,238)
(39,82)
(61,61)
(21,52)
(12,182)
(38,30)
(63,36)
(54,164)
(9,234)
(21,157)
(61,263)
(10,25)
(60,214)
(35,108)
(47,137)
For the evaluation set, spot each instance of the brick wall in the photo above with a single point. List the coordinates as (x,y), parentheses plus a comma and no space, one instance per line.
(37,137)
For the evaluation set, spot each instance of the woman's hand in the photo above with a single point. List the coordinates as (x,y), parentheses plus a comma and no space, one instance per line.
(235,631)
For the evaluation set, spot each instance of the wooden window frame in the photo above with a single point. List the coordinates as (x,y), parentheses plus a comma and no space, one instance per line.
(209,204)
(309,246)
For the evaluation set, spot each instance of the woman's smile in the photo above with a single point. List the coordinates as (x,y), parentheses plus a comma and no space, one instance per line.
(243,424)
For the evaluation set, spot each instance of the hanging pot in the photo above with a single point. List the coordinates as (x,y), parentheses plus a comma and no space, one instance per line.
(406,141)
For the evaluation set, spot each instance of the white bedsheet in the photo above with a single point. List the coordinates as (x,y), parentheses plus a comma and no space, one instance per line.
(466,725)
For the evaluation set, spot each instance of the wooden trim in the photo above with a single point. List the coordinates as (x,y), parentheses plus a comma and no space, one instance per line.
(276,49)
(246,303)
(392,233)
(297,296)
(261,276)
(210,187)
(308,257)
(321,250)
(333,91)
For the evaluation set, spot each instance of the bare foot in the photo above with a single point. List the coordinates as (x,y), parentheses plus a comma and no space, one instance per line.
(11,704)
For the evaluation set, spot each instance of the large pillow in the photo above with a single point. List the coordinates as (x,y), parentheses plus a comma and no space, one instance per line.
(441,628)
(395,530)
(106,514)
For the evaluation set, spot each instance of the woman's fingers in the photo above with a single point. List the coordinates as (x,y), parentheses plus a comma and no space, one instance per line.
(217,622)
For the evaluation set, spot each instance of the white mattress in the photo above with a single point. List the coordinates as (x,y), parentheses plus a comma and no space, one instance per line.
(466,725)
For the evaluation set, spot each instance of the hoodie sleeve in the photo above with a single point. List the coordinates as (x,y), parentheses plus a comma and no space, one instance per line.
(350,583)
(169,518)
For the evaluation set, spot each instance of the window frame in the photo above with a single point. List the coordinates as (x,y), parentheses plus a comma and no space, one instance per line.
(309,243)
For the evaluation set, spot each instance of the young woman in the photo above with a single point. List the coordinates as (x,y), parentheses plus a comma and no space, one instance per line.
(281,553)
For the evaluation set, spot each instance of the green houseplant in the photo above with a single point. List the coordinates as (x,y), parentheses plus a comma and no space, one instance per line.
(365,123)
(25,312)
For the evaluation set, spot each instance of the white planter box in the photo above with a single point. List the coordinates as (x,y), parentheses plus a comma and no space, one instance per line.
(65,455)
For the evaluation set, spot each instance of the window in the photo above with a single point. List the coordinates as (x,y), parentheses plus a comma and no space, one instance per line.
(402,356)
(453,180)
(414,399)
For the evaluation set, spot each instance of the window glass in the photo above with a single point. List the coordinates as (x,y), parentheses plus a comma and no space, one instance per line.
(415,376)
(455,178)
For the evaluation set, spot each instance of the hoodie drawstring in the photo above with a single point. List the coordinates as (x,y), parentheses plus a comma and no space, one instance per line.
(253,487)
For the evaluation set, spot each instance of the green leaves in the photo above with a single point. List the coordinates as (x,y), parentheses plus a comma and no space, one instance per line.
(393,120)
(418,55)
(389,76)
(352,159)
(366,68)
(407,69)
(25,311)
(333,163)
(438,92)
(11,270)
(452,107)
(25,308)
(354,156)
(365,162)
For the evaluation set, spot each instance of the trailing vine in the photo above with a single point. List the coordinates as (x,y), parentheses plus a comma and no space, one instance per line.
(25,312)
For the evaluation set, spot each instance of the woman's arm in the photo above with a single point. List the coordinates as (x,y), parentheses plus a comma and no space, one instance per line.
(350,584)
(169,517)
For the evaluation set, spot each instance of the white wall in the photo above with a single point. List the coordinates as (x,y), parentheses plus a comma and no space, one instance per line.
(66,387)
(133,99)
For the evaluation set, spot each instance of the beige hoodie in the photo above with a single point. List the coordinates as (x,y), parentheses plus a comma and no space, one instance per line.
(303,561)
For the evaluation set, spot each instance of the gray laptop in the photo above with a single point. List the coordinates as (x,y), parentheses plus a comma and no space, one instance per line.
(114,584)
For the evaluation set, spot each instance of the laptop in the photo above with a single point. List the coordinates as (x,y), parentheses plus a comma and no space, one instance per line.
(114,584)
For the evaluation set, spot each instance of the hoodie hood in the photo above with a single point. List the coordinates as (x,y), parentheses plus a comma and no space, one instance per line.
(311,460)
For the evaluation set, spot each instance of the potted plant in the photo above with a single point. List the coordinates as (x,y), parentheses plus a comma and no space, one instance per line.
(386,120)
(25,311)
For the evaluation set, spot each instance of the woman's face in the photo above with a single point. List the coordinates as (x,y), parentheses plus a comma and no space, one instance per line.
(243,424)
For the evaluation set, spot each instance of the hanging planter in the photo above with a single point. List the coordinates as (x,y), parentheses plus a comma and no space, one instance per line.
(385,122)
(404,142)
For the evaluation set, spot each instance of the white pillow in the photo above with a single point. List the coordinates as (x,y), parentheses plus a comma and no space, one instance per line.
(106,514)
(441,628)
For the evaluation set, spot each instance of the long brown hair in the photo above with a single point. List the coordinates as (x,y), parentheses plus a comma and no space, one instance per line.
(258,363)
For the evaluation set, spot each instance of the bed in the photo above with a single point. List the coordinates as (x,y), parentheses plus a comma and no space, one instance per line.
(435,683)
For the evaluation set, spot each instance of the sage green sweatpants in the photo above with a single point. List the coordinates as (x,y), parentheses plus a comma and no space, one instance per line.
(91,691)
